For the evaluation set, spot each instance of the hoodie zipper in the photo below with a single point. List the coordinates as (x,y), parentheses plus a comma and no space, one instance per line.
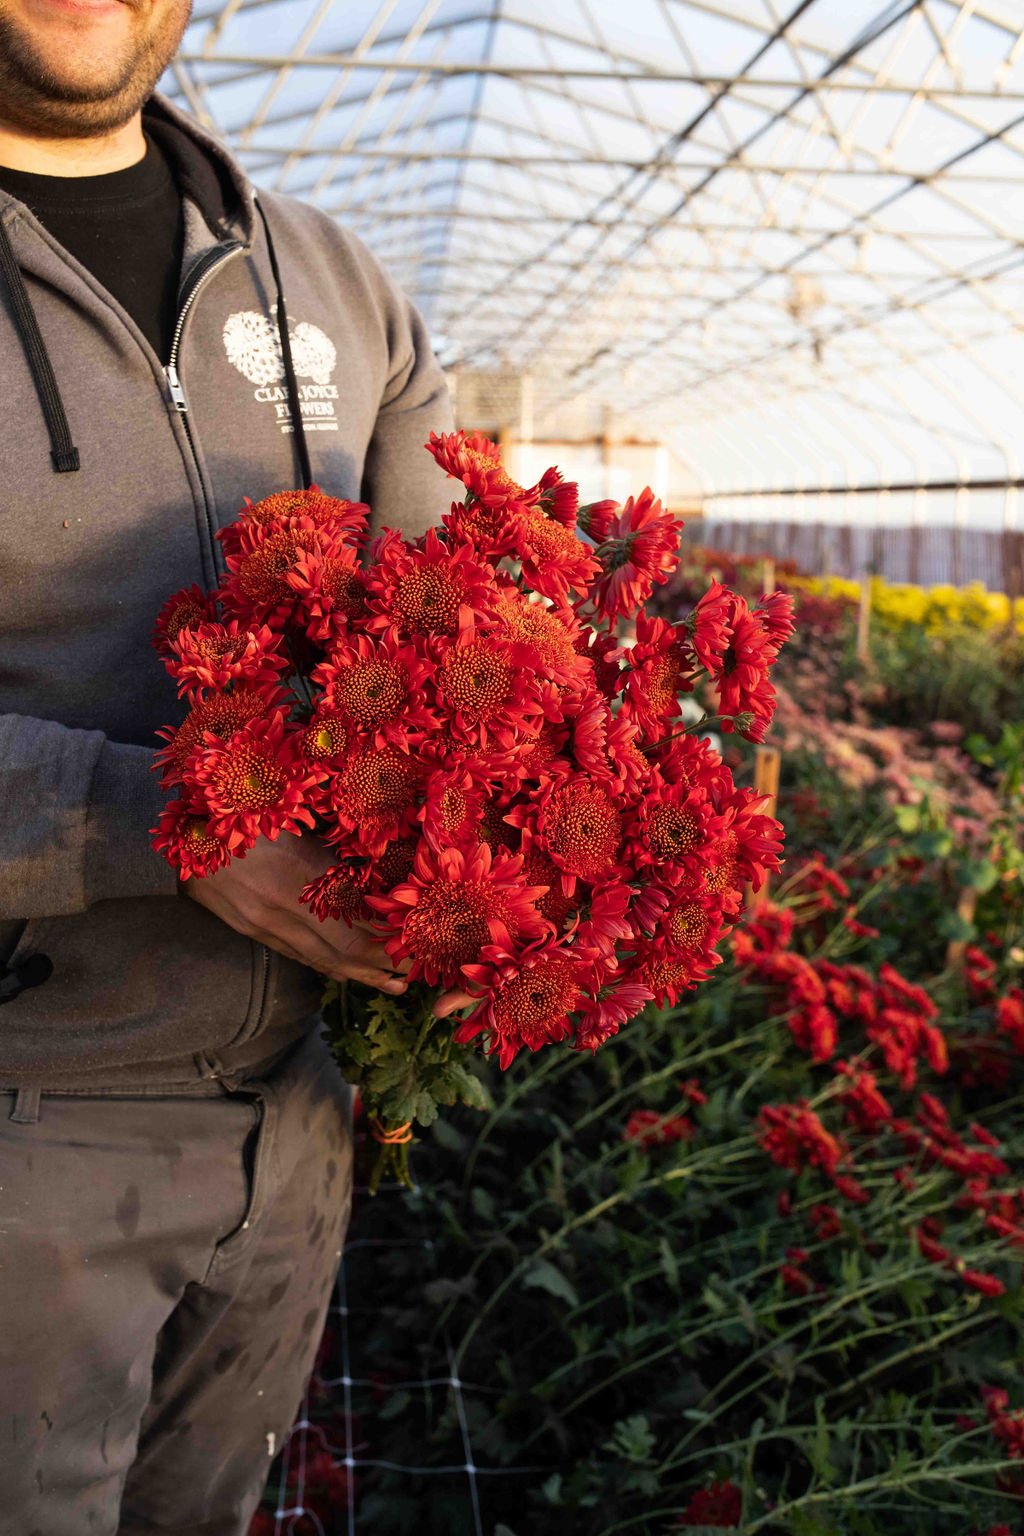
(203,270)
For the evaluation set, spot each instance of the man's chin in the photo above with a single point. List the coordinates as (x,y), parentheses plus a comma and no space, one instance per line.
(63,79)
(90,115)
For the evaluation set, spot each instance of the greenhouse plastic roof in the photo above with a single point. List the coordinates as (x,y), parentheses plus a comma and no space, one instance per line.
(785,238)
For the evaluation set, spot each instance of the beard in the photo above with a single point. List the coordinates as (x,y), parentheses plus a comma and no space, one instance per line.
(72,88)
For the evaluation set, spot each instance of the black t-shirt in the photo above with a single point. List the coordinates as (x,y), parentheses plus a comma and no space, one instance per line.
(126,227)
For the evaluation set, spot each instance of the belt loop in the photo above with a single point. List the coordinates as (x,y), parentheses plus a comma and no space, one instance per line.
(26,1106)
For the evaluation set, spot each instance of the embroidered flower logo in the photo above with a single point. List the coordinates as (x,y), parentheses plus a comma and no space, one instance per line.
(254,348)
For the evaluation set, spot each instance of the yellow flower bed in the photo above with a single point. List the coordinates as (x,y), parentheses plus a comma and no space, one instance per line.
(933,609)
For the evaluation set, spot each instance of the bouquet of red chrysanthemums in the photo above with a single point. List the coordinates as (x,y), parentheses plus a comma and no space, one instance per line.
(485,728)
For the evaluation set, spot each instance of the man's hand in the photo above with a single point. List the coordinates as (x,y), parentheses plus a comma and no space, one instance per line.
(259,896)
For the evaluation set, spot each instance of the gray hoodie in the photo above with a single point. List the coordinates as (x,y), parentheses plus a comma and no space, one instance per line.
(109,978)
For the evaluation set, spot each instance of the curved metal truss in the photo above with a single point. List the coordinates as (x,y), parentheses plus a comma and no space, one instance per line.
(784,236)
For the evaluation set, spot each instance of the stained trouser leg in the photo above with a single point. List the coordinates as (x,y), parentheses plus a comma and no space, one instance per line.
(110,1209)
(234,1359)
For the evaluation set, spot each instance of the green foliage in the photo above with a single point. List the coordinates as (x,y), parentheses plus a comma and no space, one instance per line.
(967,675)
(621,1312)
(403,1059)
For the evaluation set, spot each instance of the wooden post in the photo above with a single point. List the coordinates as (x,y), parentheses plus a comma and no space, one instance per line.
(767,575)
(864,620)
(965,908)
(767,761)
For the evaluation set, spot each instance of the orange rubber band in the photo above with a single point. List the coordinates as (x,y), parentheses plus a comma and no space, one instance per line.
(397,1137)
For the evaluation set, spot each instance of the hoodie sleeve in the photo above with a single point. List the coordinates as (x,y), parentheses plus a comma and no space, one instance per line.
(75,814)
(402,483)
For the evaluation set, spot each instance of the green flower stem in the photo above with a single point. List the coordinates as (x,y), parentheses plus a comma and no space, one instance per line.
(964,1326)
(635,1087)
(831,1309)
(925,1474)
(554,1241)
(552,1065)
(681,1065)
(719,1155)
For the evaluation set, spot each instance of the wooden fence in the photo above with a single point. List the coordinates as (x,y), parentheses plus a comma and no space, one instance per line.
(926,556)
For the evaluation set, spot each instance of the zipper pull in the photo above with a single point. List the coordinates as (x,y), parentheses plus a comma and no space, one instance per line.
(177,393)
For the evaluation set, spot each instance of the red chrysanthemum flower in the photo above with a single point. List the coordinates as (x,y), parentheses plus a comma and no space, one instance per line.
(255,784)
(603,922)
(377,685)
(557,497)
(590,724)
(490,532)
(257,587)
(775,611)
(542,755)
(578,825)
(527,1000)
(373,795)
(330,591)
(639,548)
(709,627)
(185,610)
(187,839)
(555,905)
(744,687)
(220,715)
(555,562)
(614,1003)
(551,633)
(794,1138)
(346,519)
(212,656)
(476,461)
(668,969)
(1010,1017)
(596,518)
(325,739)
(455,902)
(424,591)
(864,1105)
(647,1128)
(395,864)
(487,690)
(604,651)
(675,828)
(660,668)
(758,838)
(453,809)
(604,745)
(692,925)
(719,1505)
(493,829)
(339,892)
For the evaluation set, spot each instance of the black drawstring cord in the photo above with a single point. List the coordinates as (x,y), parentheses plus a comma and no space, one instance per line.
(289,366)
(62,450)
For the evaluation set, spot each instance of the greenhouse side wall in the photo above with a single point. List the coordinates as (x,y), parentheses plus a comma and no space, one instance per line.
(929,556)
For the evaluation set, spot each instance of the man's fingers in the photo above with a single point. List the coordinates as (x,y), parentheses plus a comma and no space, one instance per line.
(450,1002)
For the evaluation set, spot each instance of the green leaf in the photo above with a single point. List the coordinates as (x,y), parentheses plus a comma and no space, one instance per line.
(396,1405)
(448,1137)
(632,1439)
(552,1489)
(669,1263)
(907,818)
(952,926)
(982,874)
(934,845)
(544,1276)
